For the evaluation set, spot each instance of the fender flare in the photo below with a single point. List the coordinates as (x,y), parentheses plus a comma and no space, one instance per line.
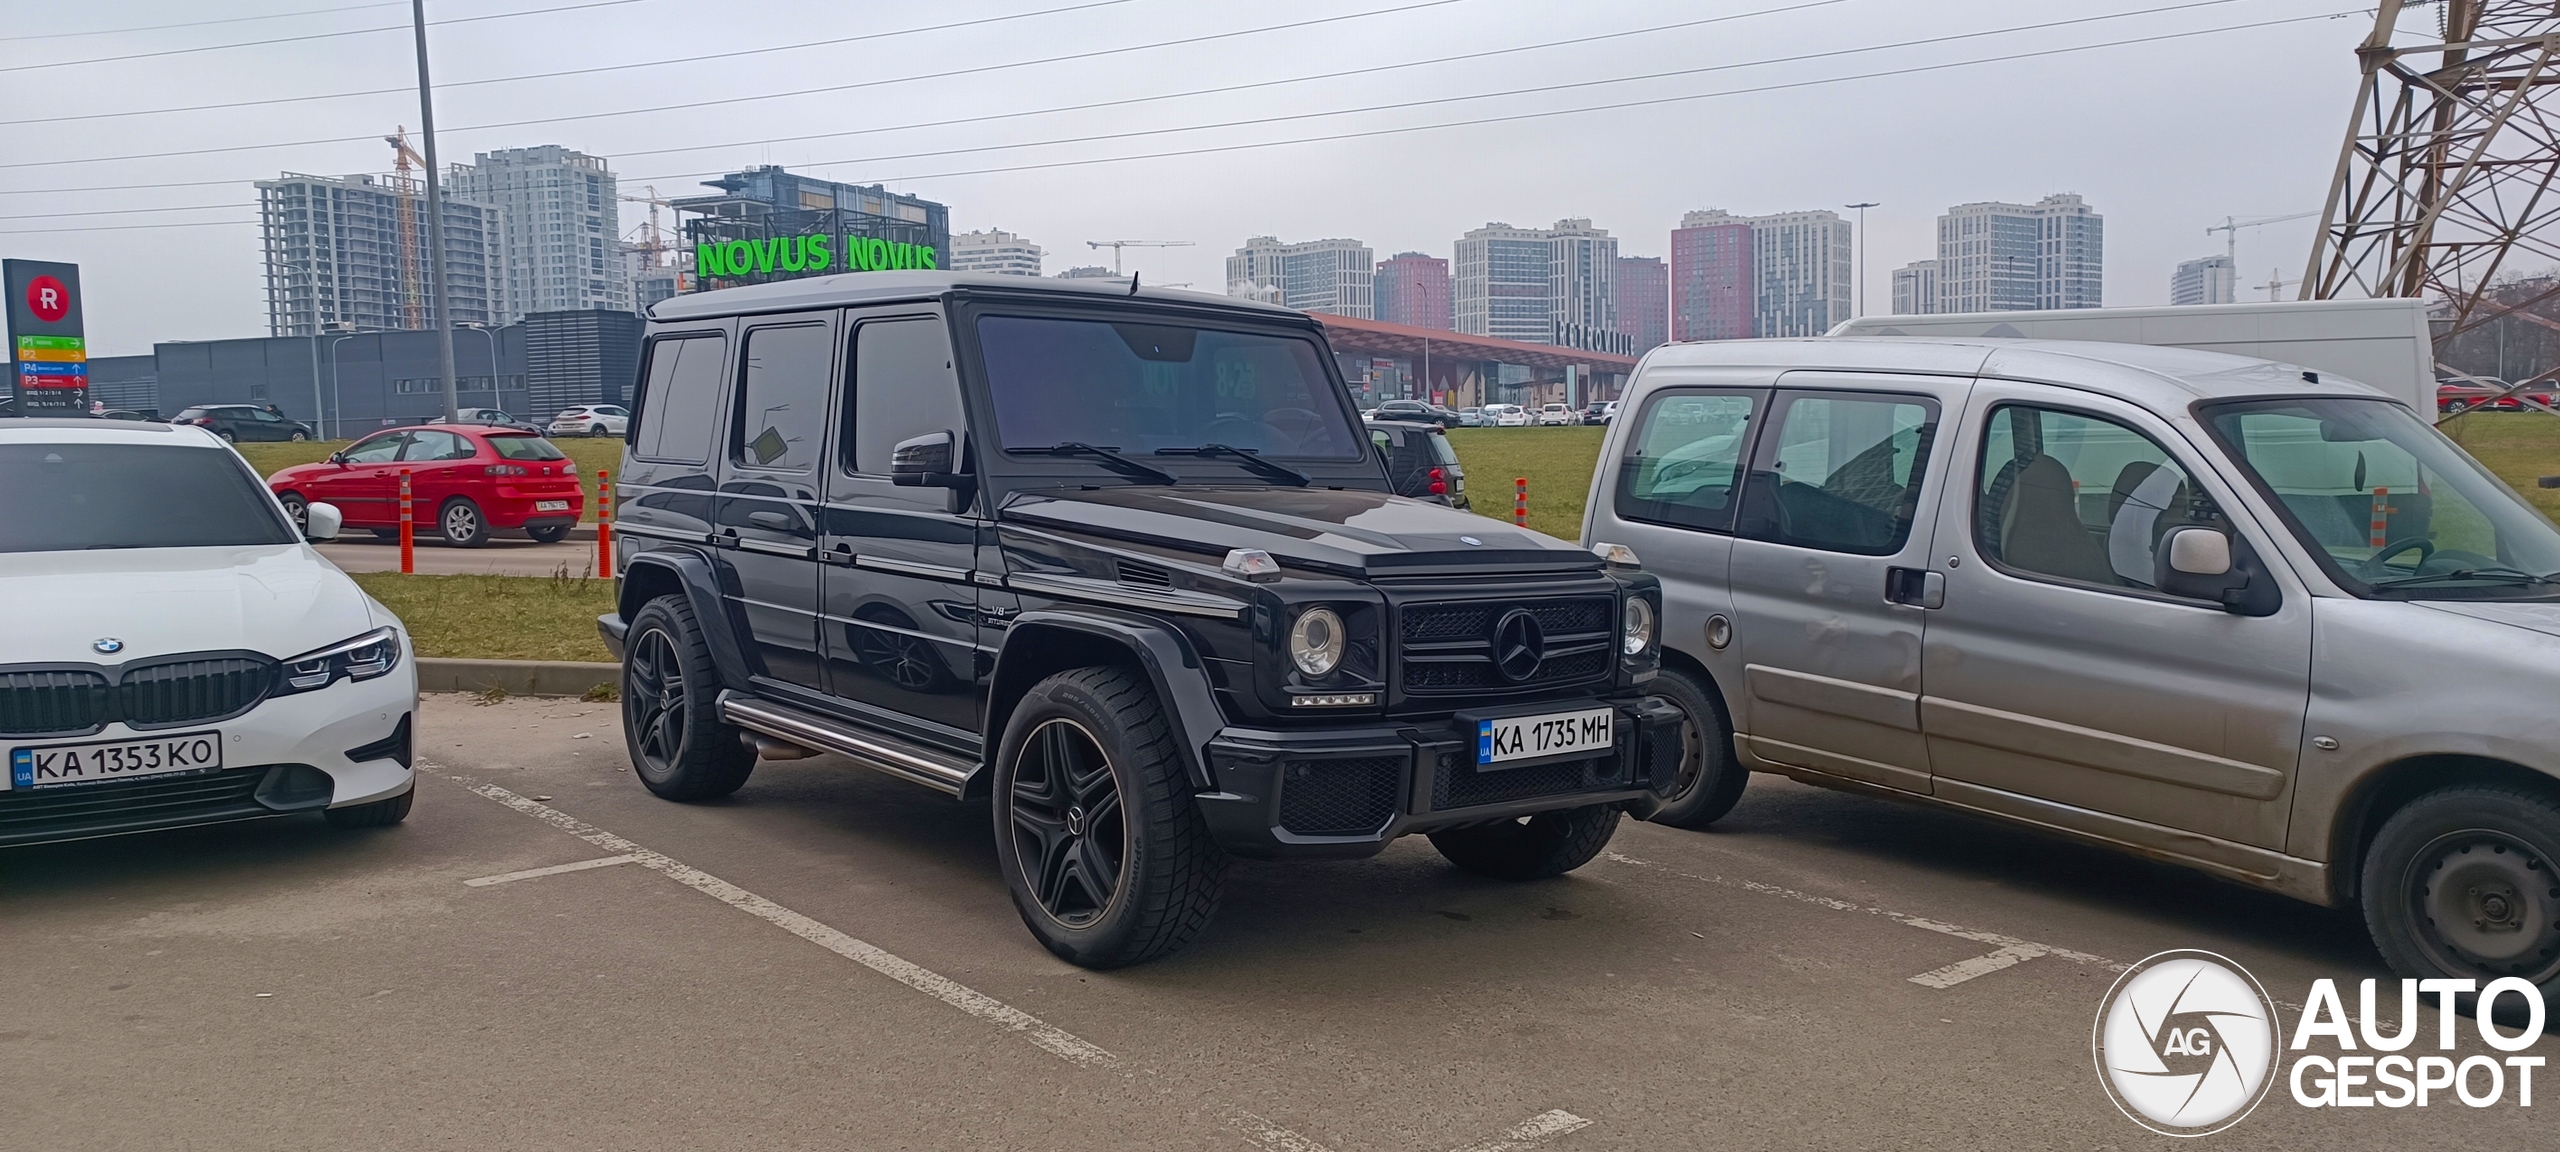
(1181,681)
(701,584)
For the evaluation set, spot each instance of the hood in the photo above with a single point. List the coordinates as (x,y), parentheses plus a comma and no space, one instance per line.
(1352,532)
(279,599)
(2543,617)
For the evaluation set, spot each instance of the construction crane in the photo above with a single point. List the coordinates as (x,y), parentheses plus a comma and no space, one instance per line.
(2231,226)
(656,244)
(2276,284)
(413,310)
(1116,245)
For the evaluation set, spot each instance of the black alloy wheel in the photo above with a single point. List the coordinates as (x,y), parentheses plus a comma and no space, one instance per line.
(2465,882)
(1068,828)
(680,748)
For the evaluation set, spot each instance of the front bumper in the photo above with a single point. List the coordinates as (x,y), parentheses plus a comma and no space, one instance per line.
(1349,792)
(289,754)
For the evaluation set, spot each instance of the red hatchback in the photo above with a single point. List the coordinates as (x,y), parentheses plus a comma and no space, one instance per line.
(464,481)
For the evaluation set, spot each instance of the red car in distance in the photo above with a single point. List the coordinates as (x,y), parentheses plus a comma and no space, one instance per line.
(465,481)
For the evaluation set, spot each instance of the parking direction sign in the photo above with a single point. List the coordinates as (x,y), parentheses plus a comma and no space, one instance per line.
(48,350)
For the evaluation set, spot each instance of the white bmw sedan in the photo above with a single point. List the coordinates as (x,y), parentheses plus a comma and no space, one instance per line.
(172,651)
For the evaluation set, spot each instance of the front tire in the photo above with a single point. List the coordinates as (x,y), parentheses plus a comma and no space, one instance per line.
(680,748)
(379,814)
(1711,777)
(298,509)
(1538,847)
(462,524)
(1102,846)
(297,436)
(2465,882)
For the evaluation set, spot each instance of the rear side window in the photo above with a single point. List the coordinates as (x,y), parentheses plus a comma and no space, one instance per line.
(133,496)
(526,448)
(782,405)
(680,399)
(1684,464)
(1441,452)
(438,446)
(1841,473)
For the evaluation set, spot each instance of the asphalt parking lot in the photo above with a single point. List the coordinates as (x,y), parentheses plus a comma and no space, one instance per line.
(828,960)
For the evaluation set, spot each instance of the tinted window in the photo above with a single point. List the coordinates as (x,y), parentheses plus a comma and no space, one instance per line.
(193,413)
(526,448)
(1441,452)
(680,397)
(1842,473)
(782,405)
(1685,461)
(438,446)
(1140,387)
(381,448)
(2077,497)
(132,496)
(903,387)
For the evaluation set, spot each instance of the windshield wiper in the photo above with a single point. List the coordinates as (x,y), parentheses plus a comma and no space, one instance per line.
(1246,456)
(2506,575)
(1109,457)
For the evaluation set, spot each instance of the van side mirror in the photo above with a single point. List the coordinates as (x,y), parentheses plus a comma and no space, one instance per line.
(2200,563)
(2199,552)
(924,462)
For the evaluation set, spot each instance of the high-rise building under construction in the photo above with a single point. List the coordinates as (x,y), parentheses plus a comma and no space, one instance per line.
(561,236)
(336,258)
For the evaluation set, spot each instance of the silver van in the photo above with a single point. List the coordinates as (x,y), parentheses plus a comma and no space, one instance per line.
(2227,613)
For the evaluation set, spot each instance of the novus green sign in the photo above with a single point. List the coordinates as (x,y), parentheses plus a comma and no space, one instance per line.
(805,254)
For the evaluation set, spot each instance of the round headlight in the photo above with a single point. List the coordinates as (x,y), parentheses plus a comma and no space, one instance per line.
(1639,632)
(1315,641)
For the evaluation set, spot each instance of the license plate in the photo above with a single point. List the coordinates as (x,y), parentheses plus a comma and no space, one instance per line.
(550,505)
(1580,733)
(47,765)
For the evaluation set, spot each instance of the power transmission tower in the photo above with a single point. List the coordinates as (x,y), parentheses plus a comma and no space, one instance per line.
(2444,184)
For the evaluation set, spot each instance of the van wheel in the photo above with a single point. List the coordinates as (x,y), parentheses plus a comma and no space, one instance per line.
(2466,882)
(1537,847)
(1711,777)
(680,748)
(1105,852)
(462,523)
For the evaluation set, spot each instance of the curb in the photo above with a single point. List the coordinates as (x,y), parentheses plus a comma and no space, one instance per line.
(515,677)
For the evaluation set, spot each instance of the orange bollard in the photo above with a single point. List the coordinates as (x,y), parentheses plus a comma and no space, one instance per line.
(2381,517)
(408,528)
(1520,501)
(604,524)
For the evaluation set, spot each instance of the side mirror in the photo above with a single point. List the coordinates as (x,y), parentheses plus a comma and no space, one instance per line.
(2199,552)
(338,457)
(320,522)
(925,462)
(2200,563)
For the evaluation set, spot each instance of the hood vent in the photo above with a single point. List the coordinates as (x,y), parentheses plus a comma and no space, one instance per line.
(1138,574)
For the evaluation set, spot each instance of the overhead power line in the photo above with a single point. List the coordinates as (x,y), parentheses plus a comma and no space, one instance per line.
(313,36)
(123,227)
(201,23)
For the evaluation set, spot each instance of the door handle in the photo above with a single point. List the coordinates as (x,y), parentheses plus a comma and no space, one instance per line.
(840,554)
(725,538)
(1915,587)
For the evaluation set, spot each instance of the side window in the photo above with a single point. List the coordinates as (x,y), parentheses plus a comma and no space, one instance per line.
(1841,472)
(782,403)
(680,399)
(1684,463)
(379,449)
(2076,497)
(261,414)
(903,387)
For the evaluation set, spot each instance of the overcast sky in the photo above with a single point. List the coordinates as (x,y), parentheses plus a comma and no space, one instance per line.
(2164,137)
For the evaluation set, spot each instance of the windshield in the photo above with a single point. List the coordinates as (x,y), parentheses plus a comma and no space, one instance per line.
(1136,388)
(76,496)
(526,448)
(2393,508)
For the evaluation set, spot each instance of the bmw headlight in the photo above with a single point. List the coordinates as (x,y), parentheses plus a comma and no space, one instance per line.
(1639,627)
(1316,641)
(373,654)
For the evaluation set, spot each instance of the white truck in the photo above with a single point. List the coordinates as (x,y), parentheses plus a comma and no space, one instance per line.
(2383,343)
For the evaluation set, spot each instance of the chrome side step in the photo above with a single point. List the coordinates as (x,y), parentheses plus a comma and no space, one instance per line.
(913,763)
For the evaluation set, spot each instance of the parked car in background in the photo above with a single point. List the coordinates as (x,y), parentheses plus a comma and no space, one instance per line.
(494,417)
(1413,410)
(2257,620)
(1420,462)
(590,420)
(125,414)
(1600,412)
(1470,417)
(465,481)
(1557,414)
(238,422)
(177,654)
(1506,416)
(2456,396)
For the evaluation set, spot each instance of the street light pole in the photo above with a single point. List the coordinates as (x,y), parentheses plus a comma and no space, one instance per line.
(435,218)
(1861,239)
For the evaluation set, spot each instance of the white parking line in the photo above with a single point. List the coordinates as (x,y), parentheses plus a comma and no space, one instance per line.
(1543,1126)
(1271,1137)
(554,870)
(1055,1040)
(2011,950)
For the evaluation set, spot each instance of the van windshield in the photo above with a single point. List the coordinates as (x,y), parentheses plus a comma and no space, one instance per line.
(1137,388)
(2393,508)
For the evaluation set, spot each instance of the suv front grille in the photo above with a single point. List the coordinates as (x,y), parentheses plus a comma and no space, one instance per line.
(1350,797)
(156,695)
(1447,646)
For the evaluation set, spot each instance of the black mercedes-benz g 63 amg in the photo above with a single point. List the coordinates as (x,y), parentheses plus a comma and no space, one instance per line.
(1123,562)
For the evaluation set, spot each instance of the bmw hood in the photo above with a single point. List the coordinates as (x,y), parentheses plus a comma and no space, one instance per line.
(279,599)
(1351,532)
